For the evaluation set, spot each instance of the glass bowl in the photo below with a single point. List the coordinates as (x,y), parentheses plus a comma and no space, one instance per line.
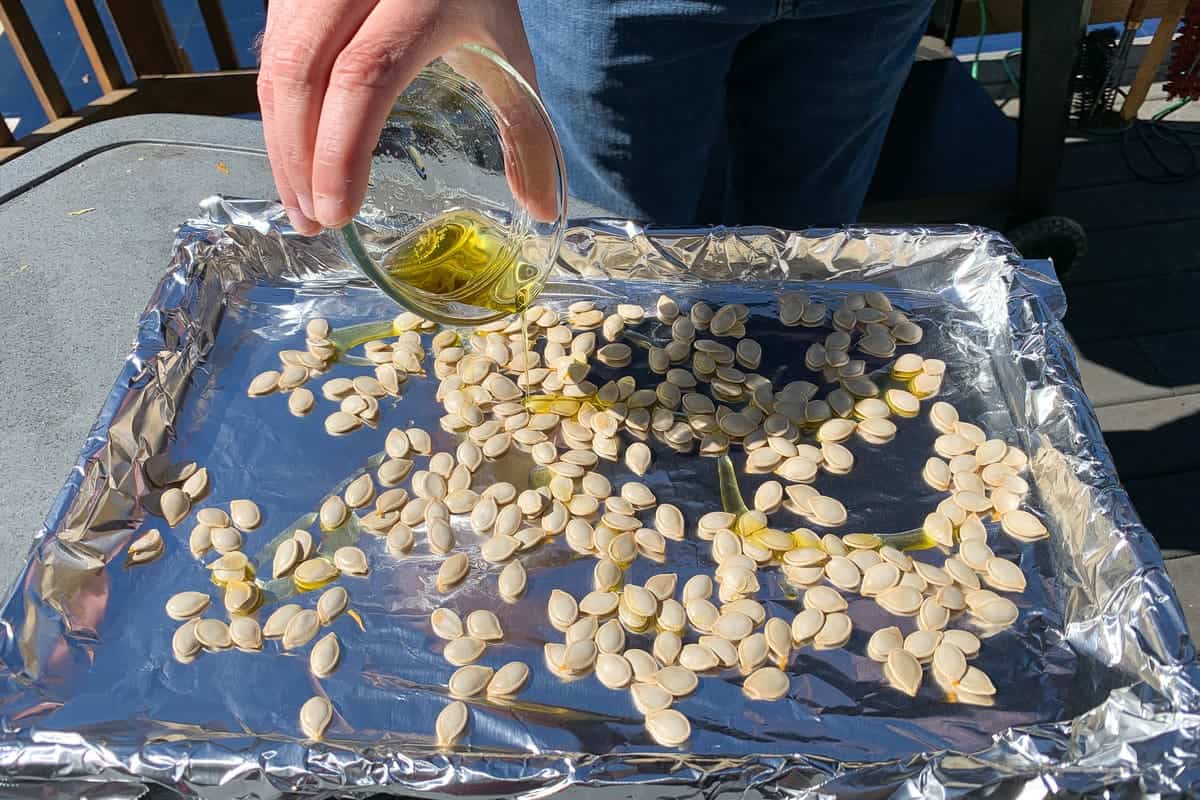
(467,198)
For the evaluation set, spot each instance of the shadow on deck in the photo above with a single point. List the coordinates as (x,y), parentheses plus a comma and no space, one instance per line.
(1134,314)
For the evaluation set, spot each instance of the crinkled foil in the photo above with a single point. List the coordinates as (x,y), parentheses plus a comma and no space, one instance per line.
(1097,680)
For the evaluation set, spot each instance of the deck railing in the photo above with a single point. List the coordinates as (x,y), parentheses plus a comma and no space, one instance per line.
(163,80)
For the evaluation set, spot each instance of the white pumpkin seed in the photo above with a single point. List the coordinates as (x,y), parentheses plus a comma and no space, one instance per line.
(883,642)
(351,560)
(451,723)
(766,683)
(835,632)
(315,716)
(277,622)
(900,600)
(325,655)
(184,644)
(469,681)
(509,680)
(903,671)
(452,571)
(301,629)
(332,602)
(463,650)
(965,641)
(333,513)
(185,605)
(677,680)
(400,540)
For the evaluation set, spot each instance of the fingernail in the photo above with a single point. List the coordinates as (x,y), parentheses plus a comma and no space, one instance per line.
(301,223)
(331,211)
(306,205)
(296,216)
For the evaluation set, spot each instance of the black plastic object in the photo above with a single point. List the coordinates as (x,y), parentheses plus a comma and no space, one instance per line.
(1060,239)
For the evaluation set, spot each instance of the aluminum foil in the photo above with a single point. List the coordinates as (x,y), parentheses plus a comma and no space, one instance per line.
(1097,681)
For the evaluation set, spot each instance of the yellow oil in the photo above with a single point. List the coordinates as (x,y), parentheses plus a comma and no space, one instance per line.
(463,257)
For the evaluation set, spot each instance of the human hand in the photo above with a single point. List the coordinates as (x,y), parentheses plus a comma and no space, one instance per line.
(331,70)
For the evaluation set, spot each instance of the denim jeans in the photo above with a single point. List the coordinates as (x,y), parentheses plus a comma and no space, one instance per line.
(727,111)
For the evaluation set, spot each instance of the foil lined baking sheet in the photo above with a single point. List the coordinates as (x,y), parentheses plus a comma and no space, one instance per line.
(1097,682)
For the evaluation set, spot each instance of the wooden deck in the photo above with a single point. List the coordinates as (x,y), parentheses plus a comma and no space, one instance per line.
(1134,314)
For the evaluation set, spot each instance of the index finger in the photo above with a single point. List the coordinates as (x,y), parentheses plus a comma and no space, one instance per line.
(393,44)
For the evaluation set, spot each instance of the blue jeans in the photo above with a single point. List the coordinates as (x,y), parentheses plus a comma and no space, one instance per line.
(683,112)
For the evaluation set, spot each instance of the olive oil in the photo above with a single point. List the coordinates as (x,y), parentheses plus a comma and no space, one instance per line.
(462,258)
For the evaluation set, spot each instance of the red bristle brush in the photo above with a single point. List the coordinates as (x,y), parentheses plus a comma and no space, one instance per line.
(1183,71)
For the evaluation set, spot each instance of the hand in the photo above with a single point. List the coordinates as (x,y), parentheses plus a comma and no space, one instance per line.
(330,72)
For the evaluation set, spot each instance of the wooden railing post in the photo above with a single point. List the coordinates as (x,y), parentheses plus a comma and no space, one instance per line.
(96,44)
(218,34)
(33,59)
(147,36)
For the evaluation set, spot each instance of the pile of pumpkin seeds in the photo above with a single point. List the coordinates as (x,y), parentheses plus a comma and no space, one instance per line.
(504,394)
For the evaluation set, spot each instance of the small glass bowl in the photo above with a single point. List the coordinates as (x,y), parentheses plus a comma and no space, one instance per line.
(468,139)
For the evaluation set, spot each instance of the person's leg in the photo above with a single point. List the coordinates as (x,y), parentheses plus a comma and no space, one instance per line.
(636,92)
(810,98)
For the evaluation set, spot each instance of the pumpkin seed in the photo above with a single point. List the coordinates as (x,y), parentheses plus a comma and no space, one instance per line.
(1001,612)
(766,683)
(451,723)
(184,644)
(1022,525)
(752,652)
(186,605)
(463,650)
(677,680)
(484,624)
(843,573)
(333,513)
(332,602)
(325,655)
(175,505)
(976,681)
(452,571)
(827,511)
(827,600)
(314,572)
(360,491)
(900,600)
(146,547)
(351,560)
(301,629)
(579,656)
(469,681)
(668,727)
(779,638)
(509,680)
(613,670)
(1004,575)
(806,624)
(224,540)
(965,641)
(903,671)
(697,587)
(883,642)
(315,716)
(400,540)
(835,632)
(701,613)
(562,609)
(667,646)
(512,581)
(277,622)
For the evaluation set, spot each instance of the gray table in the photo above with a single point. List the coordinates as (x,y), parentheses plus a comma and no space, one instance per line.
(72,285)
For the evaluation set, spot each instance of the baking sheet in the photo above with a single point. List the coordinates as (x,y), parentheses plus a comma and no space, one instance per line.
(1097,680)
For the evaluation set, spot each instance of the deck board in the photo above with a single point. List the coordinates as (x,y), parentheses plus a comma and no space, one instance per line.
(1134,314)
